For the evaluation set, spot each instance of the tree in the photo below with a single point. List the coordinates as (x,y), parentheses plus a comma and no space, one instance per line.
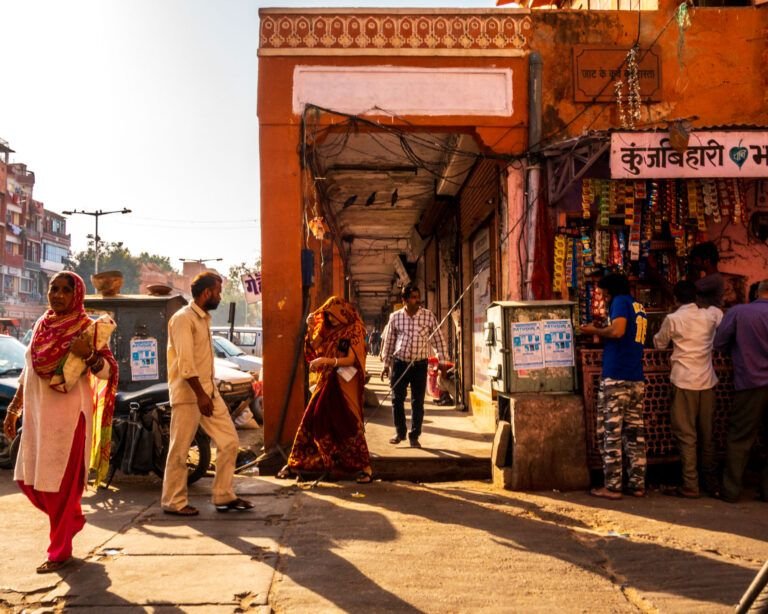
(163,262)
(115,257)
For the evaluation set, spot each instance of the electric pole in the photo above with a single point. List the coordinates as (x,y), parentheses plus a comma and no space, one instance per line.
(96,238)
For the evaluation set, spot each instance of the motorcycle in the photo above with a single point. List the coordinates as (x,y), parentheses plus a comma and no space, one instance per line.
(141,436)
(141,427)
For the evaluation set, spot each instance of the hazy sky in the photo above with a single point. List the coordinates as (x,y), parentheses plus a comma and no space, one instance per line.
(145,104)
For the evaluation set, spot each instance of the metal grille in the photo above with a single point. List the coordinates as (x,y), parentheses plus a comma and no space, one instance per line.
(661,444)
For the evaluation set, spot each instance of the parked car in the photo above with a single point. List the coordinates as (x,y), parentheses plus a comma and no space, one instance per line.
(234,384)
(11,363)
(247,338)
(227,350)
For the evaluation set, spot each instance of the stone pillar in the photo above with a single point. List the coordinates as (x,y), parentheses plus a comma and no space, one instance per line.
(546,444)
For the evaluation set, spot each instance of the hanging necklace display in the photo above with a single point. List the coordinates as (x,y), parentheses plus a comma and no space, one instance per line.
(647,230)
(637,190)
(621,247)
(558,272)
(587,197)
(569,262)
(695,206)
(723,199)
(628,117)
(579,278)
(586,249)
(605,202)
(735,196)
(653,200)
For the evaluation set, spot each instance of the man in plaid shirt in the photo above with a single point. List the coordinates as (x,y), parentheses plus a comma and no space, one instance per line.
(410,332)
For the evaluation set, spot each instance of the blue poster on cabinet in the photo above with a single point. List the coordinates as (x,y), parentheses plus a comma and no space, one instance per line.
(526,346)
(558,343)
(144,363)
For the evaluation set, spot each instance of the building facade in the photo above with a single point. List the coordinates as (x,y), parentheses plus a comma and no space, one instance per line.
(34,241)
(446,148)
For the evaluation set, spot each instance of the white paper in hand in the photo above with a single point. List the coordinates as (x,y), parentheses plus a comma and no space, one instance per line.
(347,372)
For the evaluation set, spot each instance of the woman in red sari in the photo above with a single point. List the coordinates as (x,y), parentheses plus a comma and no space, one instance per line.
(331,435)
(55,451)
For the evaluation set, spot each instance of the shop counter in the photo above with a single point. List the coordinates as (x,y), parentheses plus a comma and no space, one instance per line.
(661,444)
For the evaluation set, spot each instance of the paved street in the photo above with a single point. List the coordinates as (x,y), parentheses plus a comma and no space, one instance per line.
(389,546)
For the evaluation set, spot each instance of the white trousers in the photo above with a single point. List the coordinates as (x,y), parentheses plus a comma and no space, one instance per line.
(185,418)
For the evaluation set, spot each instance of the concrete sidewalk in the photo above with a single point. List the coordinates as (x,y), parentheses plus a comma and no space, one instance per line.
(453,445)
(386,547)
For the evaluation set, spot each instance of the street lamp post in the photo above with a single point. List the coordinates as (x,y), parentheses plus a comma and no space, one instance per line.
(201,260)
(96,238)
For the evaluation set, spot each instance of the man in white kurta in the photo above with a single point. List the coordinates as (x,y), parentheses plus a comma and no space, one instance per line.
(196,401)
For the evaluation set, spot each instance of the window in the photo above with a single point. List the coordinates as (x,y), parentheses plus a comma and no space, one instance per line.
(58,227)
(26,285)
(54,253)
(32,253)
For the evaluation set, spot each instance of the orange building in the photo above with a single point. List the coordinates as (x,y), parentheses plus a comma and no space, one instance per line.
(440,146)
(389,134)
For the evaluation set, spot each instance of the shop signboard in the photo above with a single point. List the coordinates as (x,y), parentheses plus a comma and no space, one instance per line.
(649,155)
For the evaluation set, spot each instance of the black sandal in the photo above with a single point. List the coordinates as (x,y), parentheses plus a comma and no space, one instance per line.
(238,505)
(364,477)
(187,510)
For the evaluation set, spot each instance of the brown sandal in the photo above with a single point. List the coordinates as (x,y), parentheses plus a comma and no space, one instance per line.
(52,566)
(606,493)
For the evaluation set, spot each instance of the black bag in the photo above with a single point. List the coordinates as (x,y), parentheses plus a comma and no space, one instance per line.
(134,442)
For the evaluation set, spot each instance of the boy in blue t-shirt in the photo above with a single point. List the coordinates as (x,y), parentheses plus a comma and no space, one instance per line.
(620,398)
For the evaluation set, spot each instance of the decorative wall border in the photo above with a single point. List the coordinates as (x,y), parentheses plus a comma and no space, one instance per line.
(394,34)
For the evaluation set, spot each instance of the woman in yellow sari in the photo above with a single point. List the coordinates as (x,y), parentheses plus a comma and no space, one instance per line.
(331,435)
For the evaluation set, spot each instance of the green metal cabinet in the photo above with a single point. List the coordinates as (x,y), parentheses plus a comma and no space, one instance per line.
(553,320)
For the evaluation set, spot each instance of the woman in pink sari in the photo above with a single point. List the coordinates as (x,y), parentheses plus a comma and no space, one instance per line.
(55,449)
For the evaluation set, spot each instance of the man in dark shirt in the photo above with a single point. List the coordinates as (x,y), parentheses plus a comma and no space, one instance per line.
(744,332)
(710,285)
(622,388)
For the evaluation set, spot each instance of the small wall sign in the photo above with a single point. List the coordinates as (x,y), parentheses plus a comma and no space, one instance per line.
(597,68)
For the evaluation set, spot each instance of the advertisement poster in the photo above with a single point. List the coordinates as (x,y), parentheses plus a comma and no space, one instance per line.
(527,351)
(144,364)
(481,298)
(558,343)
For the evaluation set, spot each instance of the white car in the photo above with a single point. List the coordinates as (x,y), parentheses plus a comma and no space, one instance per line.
(234,384)
(223,348)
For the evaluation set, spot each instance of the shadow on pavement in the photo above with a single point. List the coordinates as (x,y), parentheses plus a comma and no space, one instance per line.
(649,567)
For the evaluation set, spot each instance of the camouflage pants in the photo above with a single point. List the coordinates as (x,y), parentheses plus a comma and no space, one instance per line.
(620,428)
